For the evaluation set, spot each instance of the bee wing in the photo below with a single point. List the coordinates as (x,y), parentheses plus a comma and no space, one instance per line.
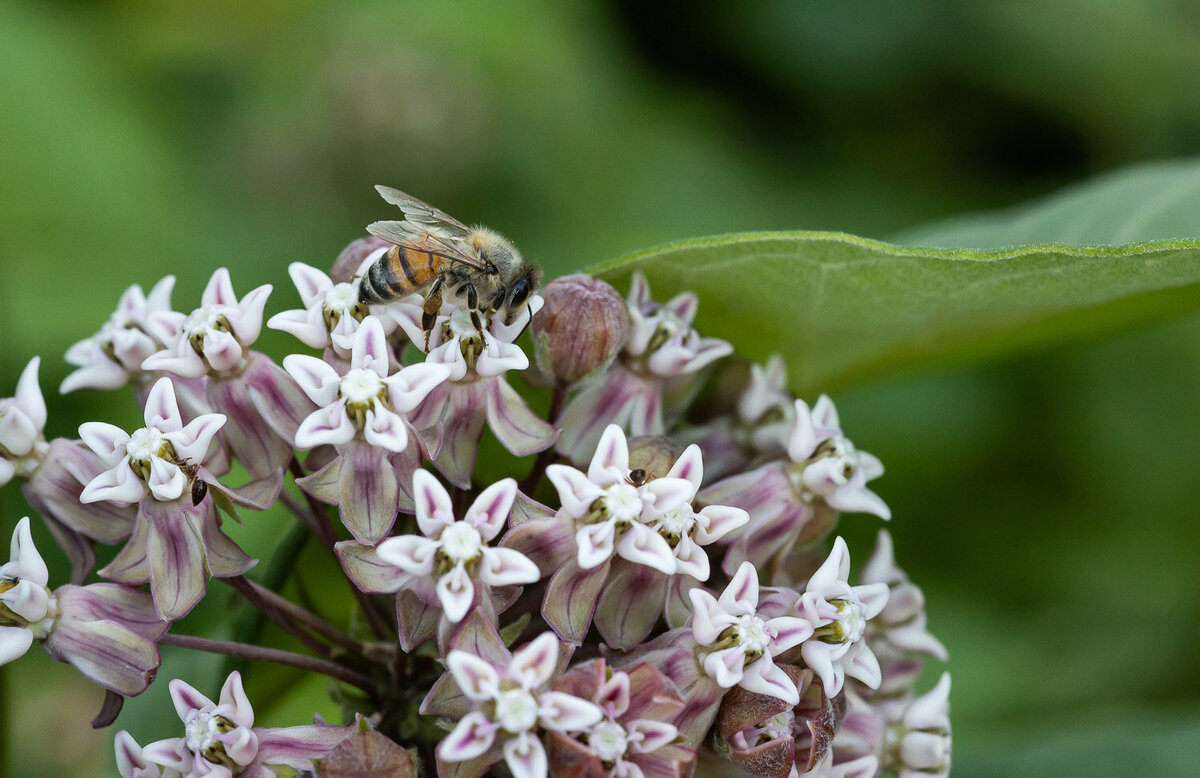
(422,213)
(421,238)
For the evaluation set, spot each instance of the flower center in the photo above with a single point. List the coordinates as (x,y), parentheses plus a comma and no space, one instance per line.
(361,386)
(623,503)
(200,322)
(849,626)
(607,741)
(202,732)
(516,710)
(144,445)
(754,635)
(676,523)
(461,542)
(340,301)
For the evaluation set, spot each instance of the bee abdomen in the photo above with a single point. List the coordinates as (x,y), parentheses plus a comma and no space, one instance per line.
(393,275)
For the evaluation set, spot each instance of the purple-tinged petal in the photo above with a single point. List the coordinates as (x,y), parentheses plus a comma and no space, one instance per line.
(219,289)
(818,655)
(223,558)
(222,350)
(691,559)
(247,433)
(371,351)
(456,592)
(129,755)
(297,747)
(368,492)
(417,620)
(644,546)
(667,494)
(187,699)
(571,599)
(605,400)
(547,542)
(534,664)
(646,735)
(595,543)
(506,567)
(315,376)
(278,398)
(330,425)
(247,322)
(106,440)
(106,652)
(312,284)
(690,466)
(233,703)
(413,554)
(709,619)
(741,596)
(860,662)
(630,605)
(470,738)
(491,508)
(434,509)
(366,569)
(24,560)
(386,430)
(859,500)
(193,441)
(716,521)
(766,677)
(575,491)
(130,566)
(162,409)
(476,677)
(514,424)
(7,470)
(726,666)
(120,485)
(832,572)
(14,642)
(610,463)
(803,440)
(409,387)
(166,481)
(790,631)
(28,397)
(645,411)
(128,607)
(171,753)
(322,484)
(462,412)
(872,598)
(526,757)
(176,558)
(305,326)
(565,713)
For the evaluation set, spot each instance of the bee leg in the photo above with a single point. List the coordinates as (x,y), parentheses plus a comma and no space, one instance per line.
(430,308)
(473,308)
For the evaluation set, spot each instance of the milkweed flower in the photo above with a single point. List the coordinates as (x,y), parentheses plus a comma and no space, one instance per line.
(175,538)
(449,567)
(22,420)
(248,387)
(221,740)
(910,736)
(510,703)
(477,391)
(662,346)
(105,631)
(795,501)
(364,414)
(142,325)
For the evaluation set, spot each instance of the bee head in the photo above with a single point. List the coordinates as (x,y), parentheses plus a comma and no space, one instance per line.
(528,282)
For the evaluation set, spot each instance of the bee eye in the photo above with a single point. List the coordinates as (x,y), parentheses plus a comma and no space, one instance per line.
(519,292)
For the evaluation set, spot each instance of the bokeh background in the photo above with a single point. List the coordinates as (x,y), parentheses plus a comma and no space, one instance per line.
(1047,503)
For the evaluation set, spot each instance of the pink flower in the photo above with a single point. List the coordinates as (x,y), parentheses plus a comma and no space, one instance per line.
(148,461)
(740,644)
(214,337)
(141,326)
(453,555)
(221,740)
(22,419)
(510,703)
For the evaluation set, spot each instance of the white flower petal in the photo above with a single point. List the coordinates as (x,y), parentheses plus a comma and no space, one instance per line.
(726,666)
(315,376)
(456,592)
(386,430)
(610,463)
(29,395)
(312,284)
(533,665)
(526,757)
(330,425)
(644,546)
(409,387)
(565,713)
(595,543)
(490,510)
(14,642)
(162,409)
(472,736)
(476,677)
(575,492)
(434,509)
(506,567)
(24,560)
(107,440)
(371,350)
(119,484)
(166,481)
(411,553)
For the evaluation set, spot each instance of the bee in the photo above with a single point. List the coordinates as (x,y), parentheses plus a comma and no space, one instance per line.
(433,249)
(197,486)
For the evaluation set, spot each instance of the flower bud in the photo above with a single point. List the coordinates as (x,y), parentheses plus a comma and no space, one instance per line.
(346,265)
(582,326)
(653,455)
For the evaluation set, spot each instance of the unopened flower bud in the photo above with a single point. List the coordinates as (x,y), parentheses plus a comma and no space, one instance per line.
(653,455)
(346,265)
(582,326)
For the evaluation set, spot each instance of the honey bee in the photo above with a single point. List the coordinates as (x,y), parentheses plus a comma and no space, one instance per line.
(435,250)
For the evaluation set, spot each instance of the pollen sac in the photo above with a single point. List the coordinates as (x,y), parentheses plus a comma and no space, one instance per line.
(581,327)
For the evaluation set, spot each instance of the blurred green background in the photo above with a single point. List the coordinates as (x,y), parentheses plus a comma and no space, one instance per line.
(1047,503)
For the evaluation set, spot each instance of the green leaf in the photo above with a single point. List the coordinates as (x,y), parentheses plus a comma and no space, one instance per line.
(1153,201)
(842,309)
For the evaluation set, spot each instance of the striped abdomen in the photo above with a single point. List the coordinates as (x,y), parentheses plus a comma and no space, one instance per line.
(399,272)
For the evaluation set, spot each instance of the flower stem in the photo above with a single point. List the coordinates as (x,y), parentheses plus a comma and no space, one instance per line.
(545,457)
(272,611)
(309,619)
(260,654)
(317,518)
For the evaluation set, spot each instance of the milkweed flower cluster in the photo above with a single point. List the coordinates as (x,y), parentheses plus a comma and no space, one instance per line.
(620,586)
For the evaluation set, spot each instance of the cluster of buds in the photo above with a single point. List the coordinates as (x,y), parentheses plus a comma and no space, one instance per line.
(630,591)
